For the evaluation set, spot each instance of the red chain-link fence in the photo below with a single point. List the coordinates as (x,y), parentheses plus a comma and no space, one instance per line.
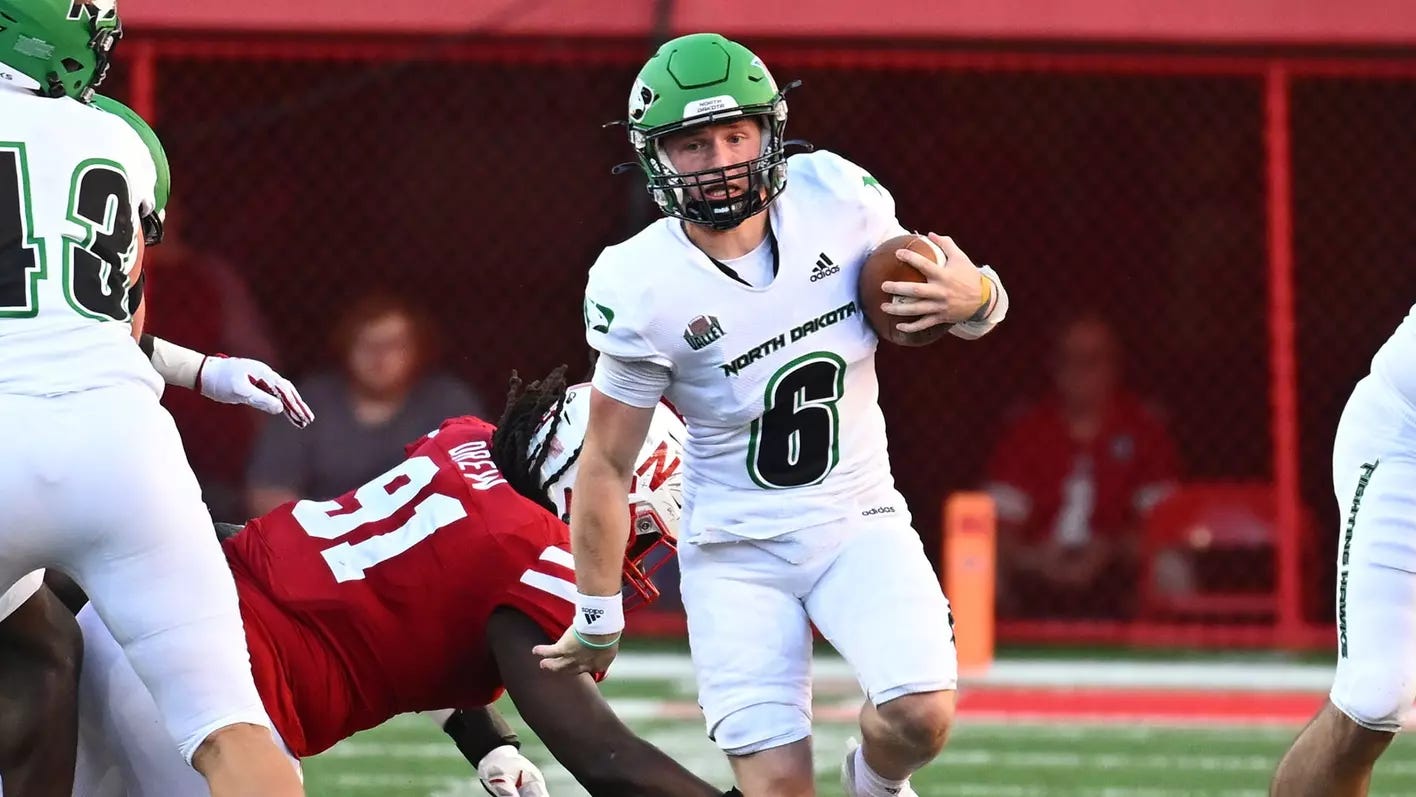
(1243,225)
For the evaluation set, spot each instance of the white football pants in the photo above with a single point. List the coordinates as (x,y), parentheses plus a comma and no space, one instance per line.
(1374,475)
(866,585)
(96,484)
(124,749)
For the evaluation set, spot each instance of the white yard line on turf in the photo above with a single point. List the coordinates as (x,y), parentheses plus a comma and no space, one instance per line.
(1236,675)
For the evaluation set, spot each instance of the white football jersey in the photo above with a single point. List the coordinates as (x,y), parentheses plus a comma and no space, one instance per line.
(74,182)
(777,383)
(1395,361)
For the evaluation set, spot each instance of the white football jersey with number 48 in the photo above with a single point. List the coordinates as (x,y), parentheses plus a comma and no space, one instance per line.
(777,384)
(74,181)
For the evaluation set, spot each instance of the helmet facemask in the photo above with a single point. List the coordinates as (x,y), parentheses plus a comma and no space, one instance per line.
(653,539)
(103,41)
(766,174)
(698,80)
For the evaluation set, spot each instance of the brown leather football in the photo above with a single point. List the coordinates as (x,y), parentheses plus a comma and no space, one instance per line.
(884,266)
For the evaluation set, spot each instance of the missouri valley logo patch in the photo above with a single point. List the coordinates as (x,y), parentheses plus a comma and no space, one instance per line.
(702,330)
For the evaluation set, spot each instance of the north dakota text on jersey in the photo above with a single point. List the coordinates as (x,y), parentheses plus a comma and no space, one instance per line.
(795,334)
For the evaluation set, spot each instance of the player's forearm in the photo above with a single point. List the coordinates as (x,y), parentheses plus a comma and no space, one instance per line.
(476,732)
(176,365)
(599,528)
(617,764)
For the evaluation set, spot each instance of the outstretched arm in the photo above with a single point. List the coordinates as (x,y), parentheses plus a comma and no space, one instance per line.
(576,724)
(599,532)
(229,380)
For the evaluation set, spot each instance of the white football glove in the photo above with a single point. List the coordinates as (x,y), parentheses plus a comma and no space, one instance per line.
(505,772)
(237,380)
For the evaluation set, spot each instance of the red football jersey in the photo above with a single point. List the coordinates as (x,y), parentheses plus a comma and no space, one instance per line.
(376,603)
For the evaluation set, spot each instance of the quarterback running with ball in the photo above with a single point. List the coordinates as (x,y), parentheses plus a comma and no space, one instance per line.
(741,308)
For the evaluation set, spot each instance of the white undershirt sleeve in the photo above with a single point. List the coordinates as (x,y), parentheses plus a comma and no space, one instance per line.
(638,383)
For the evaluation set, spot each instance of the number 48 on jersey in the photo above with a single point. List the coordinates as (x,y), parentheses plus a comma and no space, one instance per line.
(94,268)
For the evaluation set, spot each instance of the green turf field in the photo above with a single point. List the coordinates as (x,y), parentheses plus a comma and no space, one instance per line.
(408,757)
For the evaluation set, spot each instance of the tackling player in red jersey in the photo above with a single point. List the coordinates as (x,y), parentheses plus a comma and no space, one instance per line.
(424,589)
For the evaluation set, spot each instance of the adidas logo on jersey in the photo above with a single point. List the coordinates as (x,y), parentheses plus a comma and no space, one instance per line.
(824,268)
(702,330)
(591,615)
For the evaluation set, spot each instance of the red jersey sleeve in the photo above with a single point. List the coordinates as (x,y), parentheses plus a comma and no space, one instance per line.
(545,589)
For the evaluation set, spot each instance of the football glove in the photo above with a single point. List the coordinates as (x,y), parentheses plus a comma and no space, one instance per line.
(237,380)
(505,772)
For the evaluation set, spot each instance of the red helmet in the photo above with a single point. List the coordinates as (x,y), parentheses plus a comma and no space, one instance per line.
(655,495)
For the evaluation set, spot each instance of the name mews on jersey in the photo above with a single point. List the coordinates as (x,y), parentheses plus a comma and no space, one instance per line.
(779,341)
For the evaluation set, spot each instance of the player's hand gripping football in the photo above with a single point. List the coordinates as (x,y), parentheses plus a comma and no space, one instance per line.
(570,655)
(237,380)
(505,772)
(950,294)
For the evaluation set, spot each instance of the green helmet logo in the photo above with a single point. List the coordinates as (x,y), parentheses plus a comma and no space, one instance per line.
(705,79)
(59,48)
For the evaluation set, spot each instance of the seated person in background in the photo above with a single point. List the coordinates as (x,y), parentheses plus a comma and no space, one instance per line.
(384,395)
(1073,477)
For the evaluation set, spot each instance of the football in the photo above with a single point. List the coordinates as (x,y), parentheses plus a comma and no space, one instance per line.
(883,266)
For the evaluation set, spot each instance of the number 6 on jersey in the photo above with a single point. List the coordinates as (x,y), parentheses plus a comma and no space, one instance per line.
(795,442)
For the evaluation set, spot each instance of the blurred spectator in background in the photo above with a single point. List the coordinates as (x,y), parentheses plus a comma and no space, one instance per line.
(384,396)
(199,299)
(1073,476)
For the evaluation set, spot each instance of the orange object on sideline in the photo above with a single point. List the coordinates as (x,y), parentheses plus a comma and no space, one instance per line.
(969,574)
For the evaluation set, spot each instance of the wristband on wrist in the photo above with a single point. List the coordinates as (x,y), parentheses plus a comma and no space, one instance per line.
(479,732)
(598,614)
(596,645)
(988,296)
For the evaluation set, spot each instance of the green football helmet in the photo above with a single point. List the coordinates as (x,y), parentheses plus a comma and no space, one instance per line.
(704,79)
(152,222)
(58,48)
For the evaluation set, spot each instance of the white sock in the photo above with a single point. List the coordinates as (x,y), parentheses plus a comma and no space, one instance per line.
(870,783)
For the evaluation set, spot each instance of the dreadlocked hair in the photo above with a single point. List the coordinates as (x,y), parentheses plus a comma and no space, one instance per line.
(526,406)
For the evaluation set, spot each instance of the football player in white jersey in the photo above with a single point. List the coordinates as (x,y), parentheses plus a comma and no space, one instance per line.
(741,308)
(1374,475)
(93,479)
